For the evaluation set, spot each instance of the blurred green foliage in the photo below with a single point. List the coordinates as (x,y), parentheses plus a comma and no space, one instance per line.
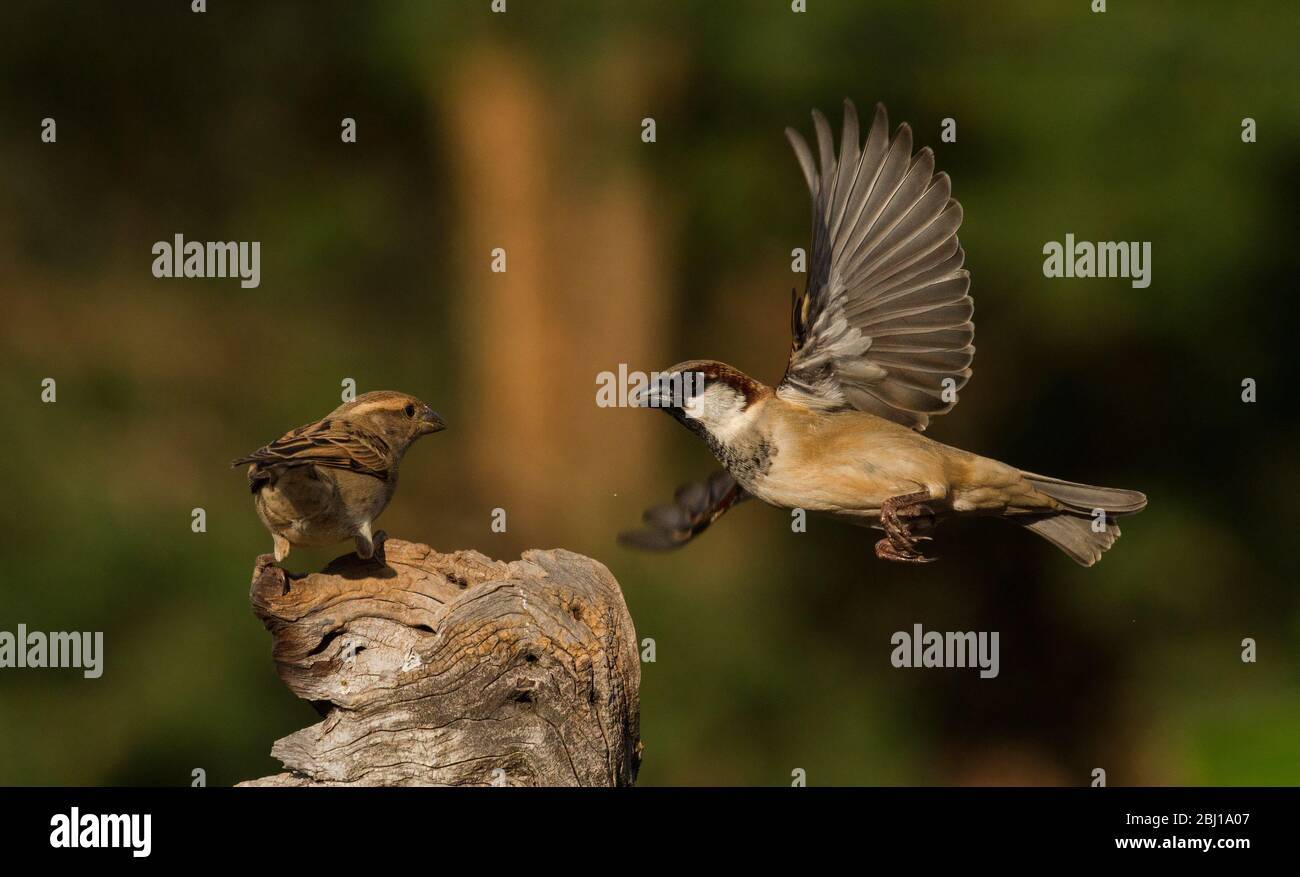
(772,648)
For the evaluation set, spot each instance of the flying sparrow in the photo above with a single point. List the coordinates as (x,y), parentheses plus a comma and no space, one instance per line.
(882,343)
(327,481)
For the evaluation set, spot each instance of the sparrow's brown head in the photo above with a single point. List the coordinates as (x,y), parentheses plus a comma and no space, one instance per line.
(706,396)
(397,417)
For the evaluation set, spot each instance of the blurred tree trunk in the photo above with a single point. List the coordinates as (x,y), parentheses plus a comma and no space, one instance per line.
(586,285)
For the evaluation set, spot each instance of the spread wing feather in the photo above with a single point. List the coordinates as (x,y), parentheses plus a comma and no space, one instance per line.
(694,507)
(884,324)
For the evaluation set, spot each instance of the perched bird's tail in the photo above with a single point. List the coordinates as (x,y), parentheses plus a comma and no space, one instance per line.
(1079,531)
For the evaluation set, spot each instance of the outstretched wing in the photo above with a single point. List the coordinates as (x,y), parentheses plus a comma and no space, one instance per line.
(694,507)
(884,324)
(337,444)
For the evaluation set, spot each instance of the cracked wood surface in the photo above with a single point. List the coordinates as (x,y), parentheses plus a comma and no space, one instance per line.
(455,669)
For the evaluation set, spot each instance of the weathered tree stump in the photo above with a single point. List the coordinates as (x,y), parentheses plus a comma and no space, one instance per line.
(455,669)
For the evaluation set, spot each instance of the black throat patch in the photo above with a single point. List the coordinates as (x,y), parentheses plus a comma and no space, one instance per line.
(747,463)
(746,460)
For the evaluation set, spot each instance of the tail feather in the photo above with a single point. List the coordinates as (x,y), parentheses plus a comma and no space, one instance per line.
(1086,498)
(258,476)
(1076,536)
(1079,532)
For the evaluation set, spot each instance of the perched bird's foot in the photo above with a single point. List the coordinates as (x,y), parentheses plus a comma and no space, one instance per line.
(886,549)
(366,542)
(281,547)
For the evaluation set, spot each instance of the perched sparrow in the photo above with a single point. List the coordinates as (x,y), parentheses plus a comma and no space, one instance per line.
(882,342)
(328,481)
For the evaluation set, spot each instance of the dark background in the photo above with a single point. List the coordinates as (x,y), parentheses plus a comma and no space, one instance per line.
(522,131)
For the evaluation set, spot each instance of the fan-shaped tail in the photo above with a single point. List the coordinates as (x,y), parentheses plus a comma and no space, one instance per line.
(1088,528)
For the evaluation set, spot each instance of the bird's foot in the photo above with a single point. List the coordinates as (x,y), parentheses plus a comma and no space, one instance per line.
(367,544)
(281,545)
(901,516)
(888,550)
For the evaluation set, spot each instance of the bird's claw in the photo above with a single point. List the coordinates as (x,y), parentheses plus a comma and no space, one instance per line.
(886,549)
(896,513)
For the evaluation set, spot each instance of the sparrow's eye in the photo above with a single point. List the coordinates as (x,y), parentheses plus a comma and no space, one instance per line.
(410,410)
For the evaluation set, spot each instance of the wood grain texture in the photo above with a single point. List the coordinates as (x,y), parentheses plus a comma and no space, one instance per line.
(455,669)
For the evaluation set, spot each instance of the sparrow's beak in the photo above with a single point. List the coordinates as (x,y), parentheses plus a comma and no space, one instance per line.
(652,396)
(431,423)
(661,394)
(643,398)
